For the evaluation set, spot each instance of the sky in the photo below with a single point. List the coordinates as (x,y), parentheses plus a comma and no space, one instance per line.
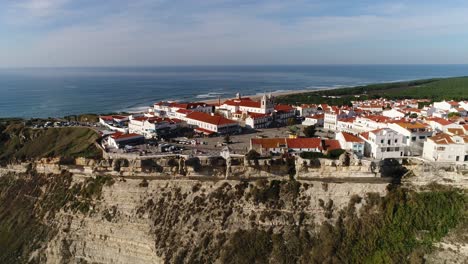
(55,33)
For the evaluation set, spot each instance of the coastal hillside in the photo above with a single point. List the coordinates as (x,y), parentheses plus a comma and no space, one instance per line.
(62,209)
(433,89)
(18,142)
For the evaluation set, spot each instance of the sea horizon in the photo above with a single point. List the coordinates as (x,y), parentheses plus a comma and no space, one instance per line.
(58,91)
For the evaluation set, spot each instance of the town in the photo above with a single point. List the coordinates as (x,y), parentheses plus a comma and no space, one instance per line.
(370,129)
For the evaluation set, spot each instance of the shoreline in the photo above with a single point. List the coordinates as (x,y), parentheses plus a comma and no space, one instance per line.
(258,96)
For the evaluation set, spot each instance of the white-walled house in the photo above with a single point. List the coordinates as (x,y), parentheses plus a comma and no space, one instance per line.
(307,109)
(314,120)
(255,121)
(446,148)
(370,122)
(351,142)
(330,119)
(383,143)
(414,135)
(393,113)
(150,127)
(440,124)
(283,113)
(119,140)
(345,124)
(446,105)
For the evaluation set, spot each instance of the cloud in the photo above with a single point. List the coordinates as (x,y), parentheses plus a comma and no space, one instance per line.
(221,32)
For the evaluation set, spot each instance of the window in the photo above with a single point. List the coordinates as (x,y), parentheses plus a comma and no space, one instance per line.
(389,142)
(396,140)
(381,141)
(413,139)
(457,158)
(422,137)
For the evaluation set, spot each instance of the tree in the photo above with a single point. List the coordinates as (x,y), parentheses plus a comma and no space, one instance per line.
(309,131)
(453,114)
(252,155)
(291,121)
(227,139)
(413,115)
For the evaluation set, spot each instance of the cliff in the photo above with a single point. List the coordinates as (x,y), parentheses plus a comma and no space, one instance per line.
(180,209)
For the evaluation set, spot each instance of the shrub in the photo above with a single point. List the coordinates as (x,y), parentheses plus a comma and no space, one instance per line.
(252,155)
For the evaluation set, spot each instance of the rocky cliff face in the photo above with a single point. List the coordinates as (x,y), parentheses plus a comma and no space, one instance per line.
(138,221)
(120,211)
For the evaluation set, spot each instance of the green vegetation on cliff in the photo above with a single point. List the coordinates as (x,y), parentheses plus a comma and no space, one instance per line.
(433,89)
(18,142)
(29,204)
(394,229)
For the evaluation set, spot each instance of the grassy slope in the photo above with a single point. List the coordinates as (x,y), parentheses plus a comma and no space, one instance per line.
(435,89)
(17,141)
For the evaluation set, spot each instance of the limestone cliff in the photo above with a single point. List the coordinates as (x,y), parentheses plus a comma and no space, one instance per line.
(169,211)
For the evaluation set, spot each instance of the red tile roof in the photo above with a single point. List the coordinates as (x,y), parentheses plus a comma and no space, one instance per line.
(347,120)
(211,119)
(365,135)
(285,108)
(442,139)
(204,131)
(439,120)
(331,144)
(257,115)
(309,143)
(183,111)
(456,131)
(122,136)
(247,102)
(377,118)
(268,142)
(351,138)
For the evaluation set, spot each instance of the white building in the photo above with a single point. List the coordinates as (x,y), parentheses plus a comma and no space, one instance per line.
(283,113)
(383,143)
(314,120)
(345,124)
(244,105)
(150,127)
(393,113)
(440,124)
(119,140)
(117,123)
(169,109)
(445,148)
(255,121)
(308,110)
(369,123)
(446,105)
(331,118)
(414,135)
(351,142)
(210,123)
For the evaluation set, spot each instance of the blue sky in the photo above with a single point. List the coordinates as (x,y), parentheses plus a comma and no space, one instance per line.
(227,32)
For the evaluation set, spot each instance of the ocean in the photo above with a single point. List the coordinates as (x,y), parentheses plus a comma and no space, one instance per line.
(56,92)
